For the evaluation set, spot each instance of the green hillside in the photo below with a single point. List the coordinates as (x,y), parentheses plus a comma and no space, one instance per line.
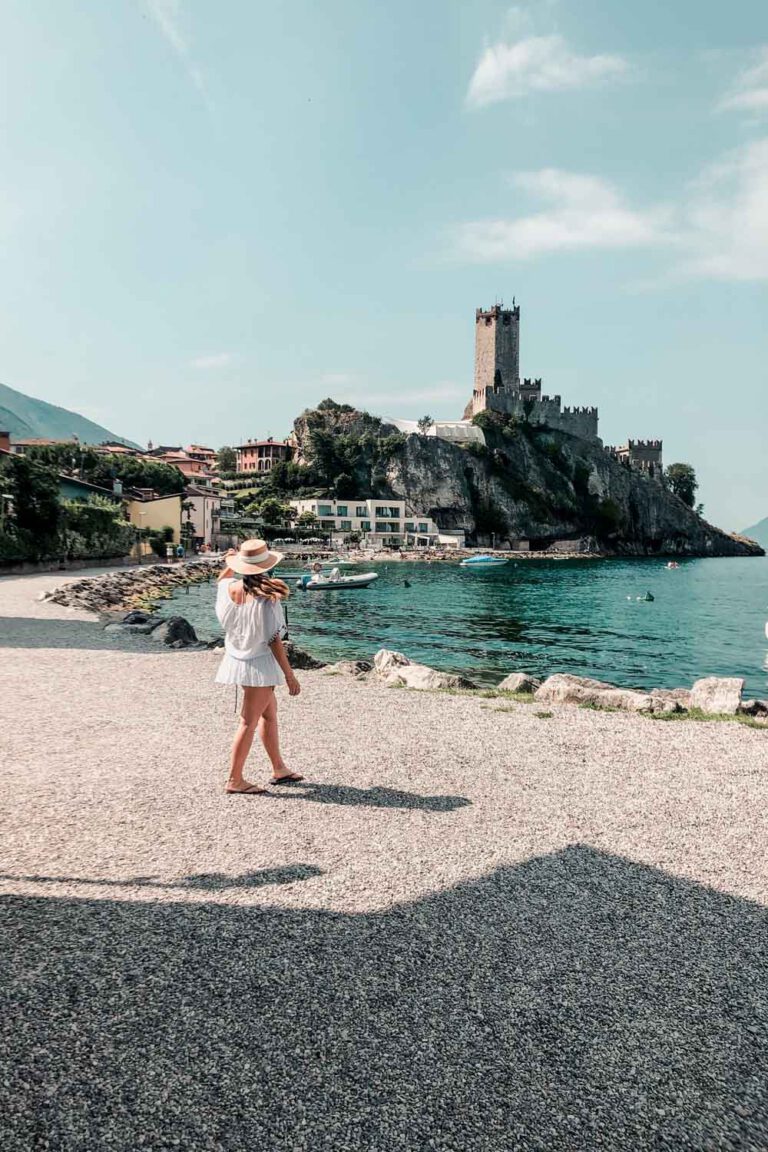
(24,416)
(758,532)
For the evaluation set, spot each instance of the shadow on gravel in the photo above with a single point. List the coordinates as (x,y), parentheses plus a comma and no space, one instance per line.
(575,1002)
(205,881)
(28,632)
(368,797)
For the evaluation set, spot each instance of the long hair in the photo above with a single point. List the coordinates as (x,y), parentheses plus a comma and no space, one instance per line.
(260,584)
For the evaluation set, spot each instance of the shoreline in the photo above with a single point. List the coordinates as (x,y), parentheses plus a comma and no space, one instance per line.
(147,588)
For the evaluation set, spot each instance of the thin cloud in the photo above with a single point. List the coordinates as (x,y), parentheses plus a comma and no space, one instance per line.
(446,391)
(727,217)
(584,212)
(216,360)
(537,64)
(337,379)
(166,15)
(749,92)
(717,228)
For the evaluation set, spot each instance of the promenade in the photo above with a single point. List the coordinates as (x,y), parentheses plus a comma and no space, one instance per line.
(476,927)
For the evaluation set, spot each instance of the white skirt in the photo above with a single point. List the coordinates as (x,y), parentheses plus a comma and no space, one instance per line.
(258,672)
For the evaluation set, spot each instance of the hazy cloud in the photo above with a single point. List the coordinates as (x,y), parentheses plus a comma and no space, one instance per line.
(717,228)
(167,17)
(749,92)
(582,212)
(726,224)
(216,360)
(537,64)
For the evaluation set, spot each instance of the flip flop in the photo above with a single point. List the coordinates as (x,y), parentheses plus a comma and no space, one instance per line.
(291,778)
(251,790)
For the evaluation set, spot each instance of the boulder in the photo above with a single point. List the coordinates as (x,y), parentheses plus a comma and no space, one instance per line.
(681,696)
(717,695)
(519,682)
(563,688)
(357,668)
(396,670)
(297,658)
(757,708)
(136,617)
(175,631)
(386,660)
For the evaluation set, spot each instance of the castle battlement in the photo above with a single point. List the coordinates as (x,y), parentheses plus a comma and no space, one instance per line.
(647,445)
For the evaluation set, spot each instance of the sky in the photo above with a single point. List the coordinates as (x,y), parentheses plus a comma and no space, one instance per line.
(215,213)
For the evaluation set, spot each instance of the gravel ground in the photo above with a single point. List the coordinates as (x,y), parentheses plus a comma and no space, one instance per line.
(473,929)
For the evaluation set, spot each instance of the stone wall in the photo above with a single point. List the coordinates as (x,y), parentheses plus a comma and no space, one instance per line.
(548,411)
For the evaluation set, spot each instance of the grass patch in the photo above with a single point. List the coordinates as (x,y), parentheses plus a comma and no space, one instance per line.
(590,706)
(544,715)
(697,716)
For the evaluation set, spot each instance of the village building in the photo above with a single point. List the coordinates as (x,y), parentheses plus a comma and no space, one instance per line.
(262,455)
(155,513)
(381,522)
(202,509)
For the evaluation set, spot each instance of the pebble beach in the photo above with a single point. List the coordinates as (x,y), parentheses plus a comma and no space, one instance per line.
(479,924)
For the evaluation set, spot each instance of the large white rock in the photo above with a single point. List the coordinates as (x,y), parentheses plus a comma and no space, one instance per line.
(518,682)
(385,660)
(718,694)
(563,688)
(396,670)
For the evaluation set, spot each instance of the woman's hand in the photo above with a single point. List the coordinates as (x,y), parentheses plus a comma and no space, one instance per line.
(226,571)
(293,685)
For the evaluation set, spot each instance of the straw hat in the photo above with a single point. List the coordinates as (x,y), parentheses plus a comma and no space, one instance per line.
(253,557)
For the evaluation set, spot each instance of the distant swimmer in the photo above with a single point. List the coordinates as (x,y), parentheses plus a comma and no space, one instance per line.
(406,583)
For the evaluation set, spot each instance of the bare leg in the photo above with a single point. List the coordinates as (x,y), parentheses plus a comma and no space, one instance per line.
(255,700)
(270,738)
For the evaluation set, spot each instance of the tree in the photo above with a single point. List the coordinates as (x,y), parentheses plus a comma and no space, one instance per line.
(226,458)
(424,425)
(307,520)
(35,512)
(681,479)
(273,511)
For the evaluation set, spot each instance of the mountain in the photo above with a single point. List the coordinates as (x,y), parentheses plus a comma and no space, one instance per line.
(524,482)
(24,416)
(758,532)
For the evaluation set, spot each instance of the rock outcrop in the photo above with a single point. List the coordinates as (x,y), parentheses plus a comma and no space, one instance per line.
(397,671)
(526,482)
(564,689)
(717,695)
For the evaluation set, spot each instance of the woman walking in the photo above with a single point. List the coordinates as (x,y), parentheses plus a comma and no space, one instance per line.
(250,611)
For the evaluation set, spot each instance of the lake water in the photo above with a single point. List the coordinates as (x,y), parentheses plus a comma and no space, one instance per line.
(582,616)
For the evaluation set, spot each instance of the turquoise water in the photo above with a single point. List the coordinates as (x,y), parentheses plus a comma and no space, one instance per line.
(581,616)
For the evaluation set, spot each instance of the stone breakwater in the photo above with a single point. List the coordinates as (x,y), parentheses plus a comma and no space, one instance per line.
(136,588)
(710,696)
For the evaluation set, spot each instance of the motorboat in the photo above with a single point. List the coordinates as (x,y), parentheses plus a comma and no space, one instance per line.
(484,562)
(335,582)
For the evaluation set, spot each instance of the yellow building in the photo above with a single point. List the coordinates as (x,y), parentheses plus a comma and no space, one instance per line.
(157,513)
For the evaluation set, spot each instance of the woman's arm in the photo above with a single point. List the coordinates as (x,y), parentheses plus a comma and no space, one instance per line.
(226,572)
(277,648)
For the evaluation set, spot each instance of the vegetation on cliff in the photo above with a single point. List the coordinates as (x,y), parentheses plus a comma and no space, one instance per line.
(525,482)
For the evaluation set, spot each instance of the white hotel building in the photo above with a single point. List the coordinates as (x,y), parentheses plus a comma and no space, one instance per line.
(378,521)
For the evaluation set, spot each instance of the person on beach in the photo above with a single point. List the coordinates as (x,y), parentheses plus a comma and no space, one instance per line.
(249,608)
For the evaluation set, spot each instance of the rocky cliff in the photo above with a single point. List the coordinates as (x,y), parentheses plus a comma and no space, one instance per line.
(526,482)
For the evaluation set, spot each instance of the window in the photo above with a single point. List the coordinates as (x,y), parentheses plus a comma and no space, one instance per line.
(392,512)
(423,527)
(361,510)
(365,526)
(342,510)
(410,526)
(346,526)
(328,525)
(324,510)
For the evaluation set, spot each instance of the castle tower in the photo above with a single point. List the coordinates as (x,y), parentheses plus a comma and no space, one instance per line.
(497,348)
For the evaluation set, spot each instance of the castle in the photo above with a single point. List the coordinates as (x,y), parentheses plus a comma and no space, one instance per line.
(499,388)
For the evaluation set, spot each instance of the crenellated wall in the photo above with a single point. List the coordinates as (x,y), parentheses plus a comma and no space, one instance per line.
(547,410)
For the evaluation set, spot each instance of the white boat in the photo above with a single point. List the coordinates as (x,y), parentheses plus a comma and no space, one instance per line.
(332,583)
(484,562)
